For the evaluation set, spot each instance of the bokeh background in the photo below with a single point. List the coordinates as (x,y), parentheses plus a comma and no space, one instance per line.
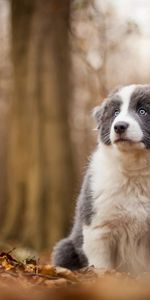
(58,59)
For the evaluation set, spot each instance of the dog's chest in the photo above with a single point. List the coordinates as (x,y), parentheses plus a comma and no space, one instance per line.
(119,201)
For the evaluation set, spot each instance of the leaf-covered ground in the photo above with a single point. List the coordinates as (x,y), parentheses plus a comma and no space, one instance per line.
(30,280)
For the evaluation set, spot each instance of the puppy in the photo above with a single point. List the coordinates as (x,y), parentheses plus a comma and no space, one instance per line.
(112,219)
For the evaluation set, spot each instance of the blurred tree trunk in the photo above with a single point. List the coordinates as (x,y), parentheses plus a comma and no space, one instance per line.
(40,168)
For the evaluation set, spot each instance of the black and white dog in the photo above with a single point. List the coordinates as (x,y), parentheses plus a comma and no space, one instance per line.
(112,220)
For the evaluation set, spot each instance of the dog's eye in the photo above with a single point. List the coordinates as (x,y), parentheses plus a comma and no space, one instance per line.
(142,111)
(116,113)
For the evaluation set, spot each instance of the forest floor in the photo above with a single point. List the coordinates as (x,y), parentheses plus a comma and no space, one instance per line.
(31,280)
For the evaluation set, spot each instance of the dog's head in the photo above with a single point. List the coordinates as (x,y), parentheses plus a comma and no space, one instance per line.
(123,119)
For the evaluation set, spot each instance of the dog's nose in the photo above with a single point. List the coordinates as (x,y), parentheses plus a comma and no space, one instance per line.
(121,127)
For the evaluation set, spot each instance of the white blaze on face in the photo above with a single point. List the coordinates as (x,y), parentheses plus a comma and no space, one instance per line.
(133,132)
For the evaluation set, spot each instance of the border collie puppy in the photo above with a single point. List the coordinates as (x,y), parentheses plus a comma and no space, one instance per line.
(112,219)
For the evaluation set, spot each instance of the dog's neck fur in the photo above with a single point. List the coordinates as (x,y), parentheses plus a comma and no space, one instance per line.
(113,170)
(130,162)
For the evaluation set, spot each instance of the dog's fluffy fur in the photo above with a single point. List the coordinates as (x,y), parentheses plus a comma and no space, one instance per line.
(112,220)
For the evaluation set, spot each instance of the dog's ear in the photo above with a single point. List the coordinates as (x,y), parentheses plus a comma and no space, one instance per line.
(97,114)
